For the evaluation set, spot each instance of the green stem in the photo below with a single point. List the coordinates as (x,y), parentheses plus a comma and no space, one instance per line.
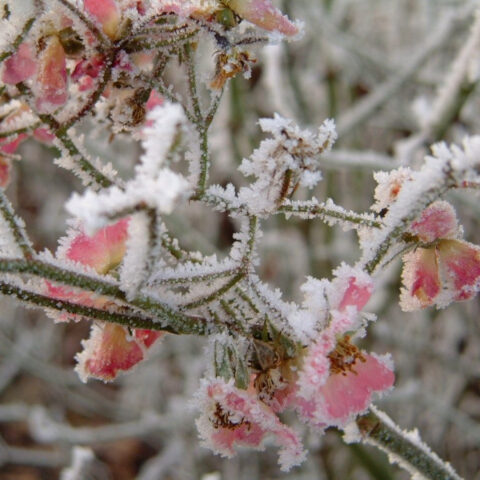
(165,316)
(127,320)
(18,40)
(323,211)
(215,295)
(16,227)
(19,131)
(142,43)
(200,122)
(207,277)
(60,132)
(410,453)
(104,41)
(96,177)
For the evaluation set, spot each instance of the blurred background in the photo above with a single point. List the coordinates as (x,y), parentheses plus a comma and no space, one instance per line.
(380,69)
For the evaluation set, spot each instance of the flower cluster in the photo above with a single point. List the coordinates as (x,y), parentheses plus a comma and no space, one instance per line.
(328,383)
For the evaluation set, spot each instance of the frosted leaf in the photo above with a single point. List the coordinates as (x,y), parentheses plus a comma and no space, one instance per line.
(263,14)
(97,209)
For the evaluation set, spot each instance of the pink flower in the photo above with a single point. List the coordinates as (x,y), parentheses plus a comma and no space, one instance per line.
(110,348)
(446,269)
(263,14)
(106,13)
(232,417)
(50,87)
(20,66)
(335,380)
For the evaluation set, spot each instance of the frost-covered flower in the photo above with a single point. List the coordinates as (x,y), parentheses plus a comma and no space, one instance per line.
(445,268)
(111,348)
(333,381)
(232,417)
(336,379)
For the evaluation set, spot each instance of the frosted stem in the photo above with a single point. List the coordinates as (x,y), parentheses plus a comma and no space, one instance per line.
(66,141)
(16,226)
(8,53)
(158,316)
(328,213)
(200,123)
(87,22)
(404,448)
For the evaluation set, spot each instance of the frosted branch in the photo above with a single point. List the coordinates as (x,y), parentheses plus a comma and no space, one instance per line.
(404,448)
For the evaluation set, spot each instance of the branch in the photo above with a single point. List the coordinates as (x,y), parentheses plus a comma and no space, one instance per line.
(18,40)
(16,226)
(104,41)
(329,213)
(158,316)
(404,448)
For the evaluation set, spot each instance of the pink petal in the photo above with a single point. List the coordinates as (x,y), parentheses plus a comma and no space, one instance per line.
(357,294)
(108,351)
(154,100)
(346,395)
(106,13)
(462,263)
(420,279)
(316,365)
(5,167)
(20,66)
(72,295)
(102,251)
(436,221)
(147,337)
(50,87)
(263,14)
(44,135)
(10,146)
(232,417)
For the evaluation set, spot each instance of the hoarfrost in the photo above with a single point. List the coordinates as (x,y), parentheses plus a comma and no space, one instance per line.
(153,185)
(82,459)
(134,264)
(283,162)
